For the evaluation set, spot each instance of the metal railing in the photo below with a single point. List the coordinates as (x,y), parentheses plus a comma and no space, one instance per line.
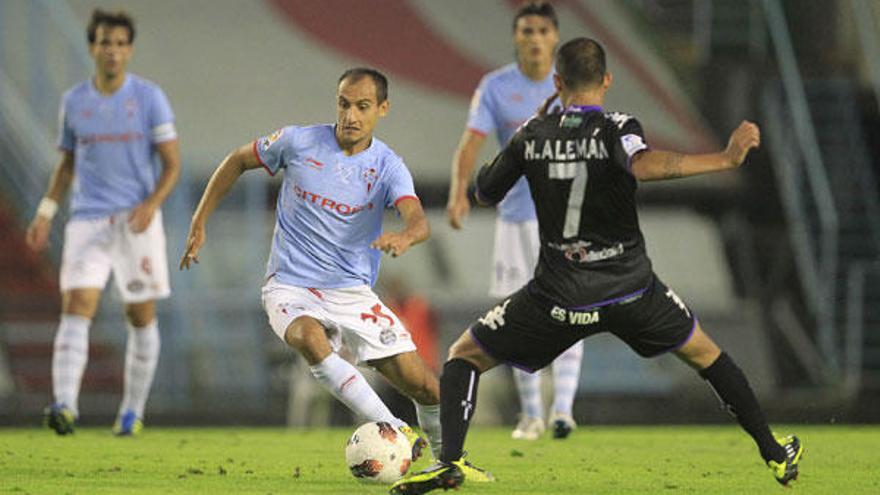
(868,25)
(819,268)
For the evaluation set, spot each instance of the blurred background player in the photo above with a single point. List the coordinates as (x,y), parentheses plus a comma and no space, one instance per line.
(505,99)
(594,275)
(112,126)
(325,253)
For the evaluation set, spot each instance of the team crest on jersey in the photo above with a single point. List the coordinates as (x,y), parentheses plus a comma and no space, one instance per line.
(130,107)
(267,141)
(370,176)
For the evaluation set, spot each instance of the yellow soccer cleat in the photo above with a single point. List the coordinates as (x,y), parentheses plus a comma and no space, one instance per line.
(787,470)
(440,475)
(417,441)
(473,473)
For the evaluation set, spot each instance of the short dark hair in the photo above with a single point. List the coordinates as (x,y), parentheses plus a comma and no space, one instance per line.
(580,63)
(542,9)
(119,18)
(379,80)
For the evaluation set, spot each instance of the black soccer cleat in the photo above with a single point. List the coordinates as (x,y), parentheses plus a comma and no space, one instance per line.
(60,418)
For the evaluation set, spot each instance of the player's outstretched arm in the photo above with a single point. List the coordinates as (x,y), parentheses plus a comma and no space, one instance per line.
(230,169)
(415,231)
(141,215)
(660,165)
(37,236)
(463,163)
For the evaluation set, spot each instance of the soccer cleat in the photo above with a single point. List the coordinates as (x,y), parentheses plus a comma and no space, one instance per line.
(788,469)
(128,424)
(440,475)
(60,418)
(417,441)
(473,473)
(562,425)
(528,428)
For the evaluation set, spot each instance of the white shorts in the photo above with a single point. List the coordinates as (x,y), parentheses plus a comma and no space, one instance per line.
(95,247)
(517,246)
(354,317)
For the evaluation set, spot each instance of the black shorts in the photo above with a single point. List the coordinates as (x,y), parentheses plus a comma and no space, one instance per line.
(530,333)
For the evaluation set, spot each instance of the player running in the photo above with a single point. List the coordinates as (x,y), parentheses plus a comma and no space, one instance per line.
(504,100)
(594,275)
(112,126)
(338,179)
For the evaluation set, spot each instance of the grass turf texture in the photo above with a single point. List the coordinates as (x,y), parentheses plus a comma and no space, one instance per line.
(598,460)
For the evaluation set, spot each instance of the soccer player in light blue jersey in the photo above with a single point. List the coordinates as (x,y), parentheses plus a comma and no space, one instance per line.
(505,99)
(112,128)
(338,180)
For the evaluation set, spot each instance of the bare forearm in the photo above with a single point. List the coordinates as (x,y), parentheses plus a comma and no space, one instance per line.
(664,165)
(170,156)
(464,161)
(462,169)
(59,182)
(218,186)
(417,229)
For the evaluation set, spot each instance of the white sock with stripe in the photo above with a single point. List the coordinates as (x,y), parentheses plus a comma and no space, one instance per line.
(348,385)
(566,376)
(529,387)
(141,358)
(429,421)
(70,355)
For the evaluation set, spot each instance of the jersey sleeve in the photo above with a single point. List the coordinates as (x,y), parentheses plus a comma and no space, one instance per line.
(628,142)
(481,114)
(399,184)
(271,149)
(66,137)
(496,178)
(161,118)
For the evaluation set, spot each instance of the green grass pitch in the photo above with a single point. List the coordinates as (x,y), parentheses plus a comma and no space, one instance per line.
(595,460)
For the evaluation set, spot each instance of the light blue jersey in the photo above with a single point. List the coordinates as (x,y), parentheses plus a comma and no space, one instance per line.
(112,138)
(504,100)
(330,207)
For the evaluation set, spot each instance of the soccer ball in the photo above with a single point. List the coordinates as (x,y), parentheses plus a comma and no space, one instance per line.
(378,453)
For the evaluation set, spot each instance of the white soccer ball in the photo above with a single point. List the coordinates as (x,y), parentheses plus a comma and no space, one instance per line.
(378,453)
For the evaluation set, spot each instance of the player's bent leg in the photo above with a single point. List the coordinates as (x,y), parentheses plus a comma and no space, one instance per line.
(141,358)
(733,390)
(336,375)
(70,356)
(412,377)
(309,338)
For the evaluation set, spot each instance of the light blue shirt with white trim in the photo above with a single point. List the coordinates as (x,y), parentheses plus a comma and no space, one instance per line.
(330,207)
(113,138)
(503,101)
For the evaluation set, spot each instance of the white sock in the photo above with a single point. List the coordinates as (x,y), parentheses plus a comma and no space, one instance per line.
(141,357)
(69,357)
(566,376)
(348,385)
(429,420)
(529,387)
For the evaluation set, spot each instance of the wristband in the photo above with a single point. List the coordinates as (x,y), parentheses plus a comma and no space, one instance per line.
(47,208)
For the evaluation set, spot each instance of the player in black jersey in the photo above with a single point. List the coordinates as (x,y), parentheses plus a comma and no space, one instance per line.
(593,275)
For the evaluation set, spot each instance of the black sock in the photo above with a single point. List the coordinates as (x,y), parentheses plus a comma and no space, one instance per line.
(732,388)
(458,398)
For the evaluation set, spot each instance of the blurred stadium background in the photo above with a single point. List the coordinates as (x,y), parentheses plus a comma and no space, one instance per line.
(780,259)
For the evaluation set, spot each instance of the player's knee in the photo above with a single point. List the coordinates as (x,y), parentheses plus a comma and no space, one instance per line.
(75,303)
(140,315)
(309,340)
(429,393)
